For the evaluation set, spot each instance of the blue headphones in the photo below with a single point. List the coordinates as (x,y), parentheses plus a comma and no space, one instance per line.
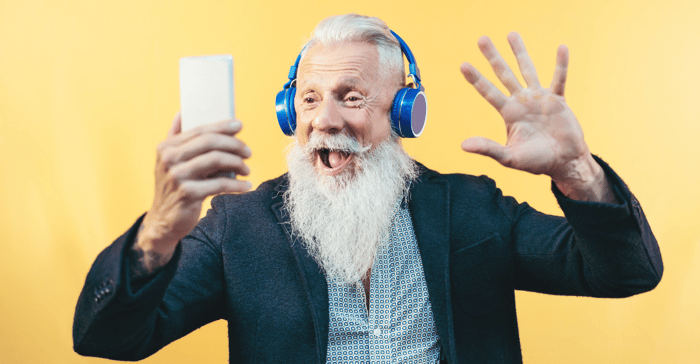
(409,109)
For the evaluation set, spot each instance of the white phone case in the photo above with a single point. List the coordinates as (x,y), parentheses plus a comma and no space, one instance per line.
(206,90)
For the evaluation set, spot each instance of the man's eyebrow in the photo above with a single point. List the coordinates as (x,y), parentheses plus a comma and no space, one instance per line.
(346,85)
(348,80)
(342,87)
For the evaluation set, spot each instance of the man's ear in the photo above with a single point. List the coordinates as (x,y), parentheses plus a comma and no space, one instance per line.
(412,85)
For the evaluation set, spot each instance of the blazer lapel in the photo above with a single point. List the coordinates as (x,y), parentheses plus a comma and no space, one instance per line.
(429,206)
(314,280)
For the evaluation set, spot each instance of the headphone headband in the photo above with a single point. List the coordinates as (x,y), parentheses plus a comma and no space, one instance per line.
(413,70)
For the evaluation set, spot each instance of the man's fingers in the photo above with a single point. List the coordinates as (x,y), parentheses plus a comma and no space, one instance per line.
(229,127)
(176,126)
(485,88)
(209,164)
(499,65)
(486,147)
(524,62)
(559,79)
(201,189)
(203,144)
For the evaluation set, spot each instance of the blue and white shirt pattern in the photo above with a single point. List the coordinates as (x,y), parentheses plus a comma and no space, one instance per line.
(399,327)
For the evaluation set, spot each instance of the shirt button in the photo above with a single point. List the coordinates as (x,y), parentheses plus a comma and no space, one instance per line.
(377,332)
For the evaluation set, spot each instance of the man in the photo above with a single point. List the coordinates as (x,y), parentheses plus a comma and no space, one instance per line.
(359,253)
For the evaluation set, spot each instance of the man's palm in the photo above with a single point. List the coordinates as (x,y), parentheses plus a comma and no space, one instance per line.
(543,135)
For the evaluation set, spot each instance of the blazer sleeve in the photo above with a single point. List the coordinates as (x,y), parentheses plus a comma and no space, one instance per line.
(119,319)
(599,249)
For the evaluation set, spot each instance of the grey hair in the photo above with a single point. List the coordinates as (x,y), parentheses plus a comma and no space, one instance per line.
(360,28)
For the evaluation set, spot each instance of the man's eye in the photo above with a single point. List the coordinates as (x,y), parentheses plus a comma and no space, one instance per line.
(309,100)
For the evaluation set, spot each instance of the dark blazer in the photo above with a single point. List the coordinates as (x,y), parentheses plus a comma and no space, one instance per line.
(477,247)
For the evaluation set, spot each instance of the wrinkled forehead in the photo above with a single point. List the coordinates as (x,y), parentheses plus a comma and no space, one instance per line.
(342,59)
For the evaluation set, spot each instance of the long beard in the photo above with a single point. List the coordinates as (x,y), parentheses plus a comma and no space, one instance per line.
(343,220)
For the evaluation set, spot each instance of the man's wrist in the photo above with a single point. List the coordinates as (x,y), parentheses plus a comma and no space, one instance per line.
(148,255)
(584,179)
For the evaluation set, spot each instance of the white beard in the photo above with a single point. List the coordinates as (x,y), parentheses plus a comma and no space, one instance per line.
(343,220)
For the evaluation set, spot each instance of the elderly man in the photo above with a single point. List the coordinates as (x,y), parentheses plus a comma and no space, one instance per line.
(360,254)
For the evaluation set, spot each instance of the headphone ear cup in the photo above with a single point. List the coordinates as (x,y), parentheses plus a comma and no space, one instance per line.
(286,114)
(409,112)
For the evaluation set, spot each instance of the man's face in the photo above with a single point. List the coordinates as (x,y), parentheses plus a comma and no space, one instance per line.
(340,90)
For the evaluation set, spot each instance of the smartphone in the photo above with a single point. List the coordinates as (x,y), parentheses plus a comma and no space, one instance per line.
(206,93)
(206,90)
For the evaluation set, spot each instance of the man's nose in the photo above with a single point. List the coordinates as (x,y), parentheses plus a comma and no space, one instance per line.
(328,118)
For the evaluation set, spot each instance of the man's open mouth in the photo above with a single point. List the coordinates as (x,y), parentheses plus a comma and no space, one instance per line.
(332,160)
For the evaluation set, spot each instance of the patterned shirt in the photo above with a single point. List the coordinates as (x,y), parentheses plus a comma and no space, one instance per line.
(399,327)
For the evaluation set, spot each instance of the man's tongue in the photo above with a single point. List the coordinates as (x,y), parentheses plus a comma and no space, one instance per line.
(335,158)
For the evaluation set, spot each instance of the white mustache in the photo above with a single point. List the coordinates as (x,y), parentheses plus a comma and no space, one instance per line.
(335,142)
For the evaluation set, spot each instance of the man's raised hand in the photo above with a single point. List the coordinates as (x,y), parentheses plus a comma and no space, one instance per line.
(543,135)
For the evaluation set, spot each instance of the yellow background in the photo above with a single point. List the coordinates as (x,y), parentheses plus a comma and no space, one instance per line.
(88,88)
